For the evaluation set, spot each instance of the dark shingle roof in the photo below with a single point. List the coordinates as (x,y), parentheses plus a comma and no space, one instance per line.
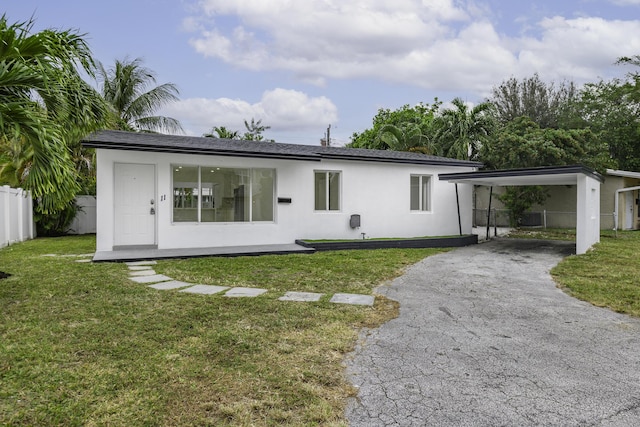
(120,140)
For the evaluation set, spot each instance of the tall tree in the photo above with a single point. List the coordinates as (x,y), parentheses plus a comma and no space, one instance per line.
(461,130)
(130,89)
(611,109)
(544,103)
(45,107)
(403,120)
(523,144)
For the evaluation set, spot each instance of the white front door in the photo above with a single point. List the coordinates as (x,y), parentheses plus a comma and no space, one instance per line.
(135,204)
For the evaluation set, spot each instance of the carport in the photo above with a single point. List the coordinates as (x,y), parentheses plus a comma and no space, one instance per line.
(586,180)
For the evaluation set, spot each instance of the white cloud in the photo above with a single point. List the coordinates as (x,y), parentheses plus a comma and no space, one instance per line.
(283,109)
(578,48)
(433,44)
(626,2)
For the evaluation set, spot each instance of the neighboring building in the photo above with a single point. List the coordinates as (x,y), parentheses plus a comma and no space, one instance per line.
(162,191)
(559,211)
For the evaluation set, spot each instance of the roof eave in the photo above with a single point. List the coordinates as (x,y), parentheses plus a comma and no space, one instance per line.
(192,150)
(431,162)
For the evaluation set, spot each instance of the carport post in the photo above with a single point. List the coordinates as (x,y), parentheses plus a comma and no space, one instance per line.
(489,211)
(588,213)
(458,203)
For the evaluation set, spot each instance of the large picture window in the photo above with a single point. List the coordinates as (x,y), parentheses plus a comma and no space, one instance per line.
(420,192)
(214,194)
(327,190)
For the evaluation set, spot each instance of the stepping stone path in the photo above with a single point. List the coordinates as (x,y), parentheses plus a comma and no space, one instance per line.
(244,292)
(85,257)
(352,299)
(142,272)
(301,296)
(204,289)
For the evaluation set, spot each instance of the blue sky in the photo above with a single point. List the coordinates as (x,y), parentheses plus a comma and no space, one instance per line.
(302,65)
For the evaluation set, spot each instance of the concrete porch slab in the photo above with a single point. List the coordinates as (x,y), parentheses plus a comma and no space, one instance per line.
(228,251)
(244,292)
(205,289)
(353,299)
(301,296)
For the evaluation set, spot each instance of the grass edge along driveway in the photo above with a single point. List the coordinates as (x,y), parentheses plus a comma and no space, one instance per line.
(81,344)
(608,275)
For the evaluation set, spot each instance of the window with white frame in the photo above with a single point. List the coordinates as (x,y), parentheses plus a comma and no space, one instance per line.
(420,192)
(327,190)
(214,194)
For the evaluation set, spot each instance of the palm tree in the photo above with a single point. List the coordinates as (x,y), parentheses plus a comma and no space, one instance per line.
(461,130)
(405,137)
(129,89)
(254,131)
(45,106)
(15,161)
(222,133)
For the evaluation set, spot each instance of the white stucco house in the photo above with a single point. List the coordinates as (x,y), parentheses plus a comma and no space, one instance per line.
(165,192)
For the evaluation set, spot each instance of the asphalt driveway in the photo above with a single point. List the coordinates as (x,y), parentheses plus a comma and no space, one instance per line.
(485,338)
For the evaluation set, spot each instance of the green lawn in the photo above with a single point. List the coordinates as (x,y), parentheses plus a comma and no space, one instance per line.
(81,344)
(606,276)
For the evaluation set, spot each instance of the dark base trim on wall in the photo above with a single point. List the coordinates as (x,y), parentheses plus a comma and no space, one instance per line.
(436,242)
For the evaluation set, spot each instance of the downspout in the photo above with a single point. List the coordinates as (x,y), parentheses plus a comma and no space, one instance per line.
(458,203)
(489,211)
(616,204)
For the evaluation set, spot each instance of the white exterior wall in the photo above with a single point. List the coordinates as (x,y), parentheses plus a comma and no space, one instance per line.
(379,192)
(588,213)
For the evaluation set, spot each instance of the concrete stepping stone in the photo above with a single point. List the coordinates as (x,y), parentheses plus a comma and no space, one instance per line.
(151,279)
(241,292)
(205,289)
(173,284)
(139,267)
(301,296)
(139,273)
(353,299)
(138,263)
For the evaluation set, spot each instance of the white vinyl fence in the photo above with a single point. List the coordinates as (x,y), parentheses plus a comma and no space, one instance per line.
(85,220)
(16,216)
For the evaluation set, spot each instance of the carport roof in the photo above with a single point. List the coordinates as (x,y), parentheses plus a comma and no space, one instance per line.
(548,175)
